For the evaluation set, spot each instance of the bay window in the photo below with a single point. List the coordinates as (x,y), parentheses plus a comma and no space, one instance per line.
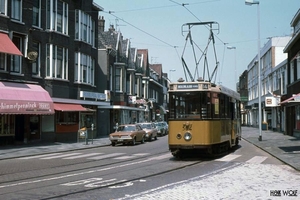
(57,62)
(84,69)
(84,27)
(57,16)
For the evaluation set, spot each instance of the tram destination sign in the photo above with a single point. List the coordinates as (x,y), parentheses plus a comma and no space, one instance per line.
(187,86)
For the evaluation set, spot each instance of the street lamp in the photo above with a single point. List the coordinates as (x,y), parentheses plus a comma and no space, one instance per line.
(171,70)
(251,2)
(235,75)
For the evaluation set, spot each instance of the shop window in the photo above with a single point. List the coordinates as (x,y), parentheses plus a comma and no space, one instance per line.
(87,119)
(67,117)
(7,125)
(297,114)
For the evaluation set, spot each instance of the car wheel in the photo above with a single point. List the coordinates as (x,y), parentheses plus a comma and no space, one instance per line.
(133,142)
(113,144)
(150,138)
(155,138)
(143,140)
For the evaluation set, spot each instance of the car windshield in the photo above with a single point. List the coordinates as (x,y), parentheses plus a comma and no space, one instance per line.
(159,124)
(146,126)
(126,128)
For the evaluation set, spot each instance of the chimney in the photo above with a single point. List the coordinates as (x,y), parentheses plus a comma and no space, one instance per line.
(101,23)
(111,28)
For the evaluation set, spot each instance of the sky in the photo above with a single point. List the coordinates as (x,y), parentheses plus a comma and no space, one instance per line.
(161,27)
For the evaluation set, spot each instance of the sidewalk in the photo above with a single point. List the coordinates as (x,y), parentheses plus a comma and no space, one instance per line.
(16,151)
(283,147)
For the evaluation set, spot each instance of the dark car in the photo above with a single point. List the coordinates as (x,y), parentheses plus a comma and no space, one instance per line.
(128,133)
(160,128)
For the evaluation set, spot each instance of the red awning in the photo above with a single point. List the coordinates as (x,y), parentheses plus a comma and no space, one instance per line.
(291,99)
(7,46)
(19,98)
(69,107)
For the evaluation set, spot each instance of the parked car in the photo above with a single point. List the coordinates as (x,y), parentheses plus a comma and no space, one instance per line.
(151,131)
(128,134)
(166,126)
(160,128)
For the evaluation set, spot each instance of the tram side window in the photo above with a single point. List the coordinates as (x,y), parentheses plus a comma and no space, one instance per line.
(215,105)
(227,110)
(205,105)
(222,105)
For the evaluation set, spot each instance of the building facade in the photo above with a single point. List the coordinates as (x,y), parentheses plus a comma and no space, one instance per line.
(272,55)
(291,102)
(57,57)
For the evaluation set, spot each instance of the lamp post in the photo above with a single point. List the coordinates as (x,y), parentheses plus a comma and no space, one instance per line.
(235,73)
(251,2)
(171,70)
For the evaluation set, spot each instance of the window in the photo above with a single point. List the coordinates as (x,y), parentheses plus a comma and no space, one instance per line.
(16,61)
(297,115)
(84,72)
(84,27)
(57,16)
(36,63)
(292,71)
(2,62)
(57,62)
(36,13)
(3,7)
(16,10)
(7,125)
(118,79)
(298,67)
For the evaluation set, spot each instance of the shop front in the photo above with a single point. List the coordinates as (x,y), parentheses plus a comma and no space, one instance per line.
(21,109)
(124,115)
(292,110)
(74,114)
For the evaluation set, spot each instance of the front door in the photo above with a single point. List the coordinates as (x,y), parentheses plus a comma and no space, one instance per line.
(19,136)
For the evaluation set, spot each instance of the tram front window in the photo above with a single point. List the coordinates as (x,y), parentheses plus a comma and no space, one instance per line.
(193,105)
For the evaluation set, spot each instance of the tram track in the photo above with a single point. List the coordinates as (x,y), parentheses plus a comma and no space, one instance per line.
(64,168)
(124,182)
(144,161)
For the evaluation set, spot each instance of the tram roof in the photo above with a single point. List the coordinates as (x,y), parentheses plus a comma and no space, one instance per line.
(202,86)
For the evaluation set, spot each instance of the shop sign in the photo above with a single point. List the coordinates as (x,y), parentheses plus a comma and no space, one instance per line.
(271,101)
(24,106)
(92,95)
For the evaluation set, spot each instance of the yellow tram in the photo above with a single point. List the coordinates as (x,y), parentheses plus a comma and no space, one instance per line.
(203,117)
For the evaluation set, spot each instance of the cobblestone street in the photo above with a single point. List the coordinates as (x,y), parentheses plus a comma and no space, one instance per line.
(244,181)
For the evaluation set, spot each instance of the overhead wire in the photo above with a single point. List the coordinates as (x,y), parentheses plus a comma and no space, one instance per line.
(157,7)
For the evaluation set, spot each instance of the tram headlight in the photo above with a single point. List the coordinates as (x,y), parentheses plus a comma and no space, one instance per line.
(187,136)
(178,136)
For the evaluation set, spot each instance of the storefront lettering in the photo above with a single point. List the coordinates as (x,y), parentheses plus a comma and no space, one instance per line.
(24,106)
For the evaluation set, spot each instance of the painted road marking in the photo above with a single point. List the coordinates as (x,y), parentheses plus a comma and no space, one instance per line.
(38,156)
(82,156)
(168,155)
(228,158)
(141,154)
(76,174)
(257,159)
(60,156)
(106,156)
(124,157)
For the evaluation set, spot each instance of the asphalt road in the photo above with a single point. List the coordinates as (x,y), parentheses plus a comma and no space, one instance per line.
(144,171)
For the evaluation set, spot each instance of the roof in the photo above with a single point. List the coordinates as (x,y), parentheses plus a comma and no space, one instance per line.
(157,68)
(108,39)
